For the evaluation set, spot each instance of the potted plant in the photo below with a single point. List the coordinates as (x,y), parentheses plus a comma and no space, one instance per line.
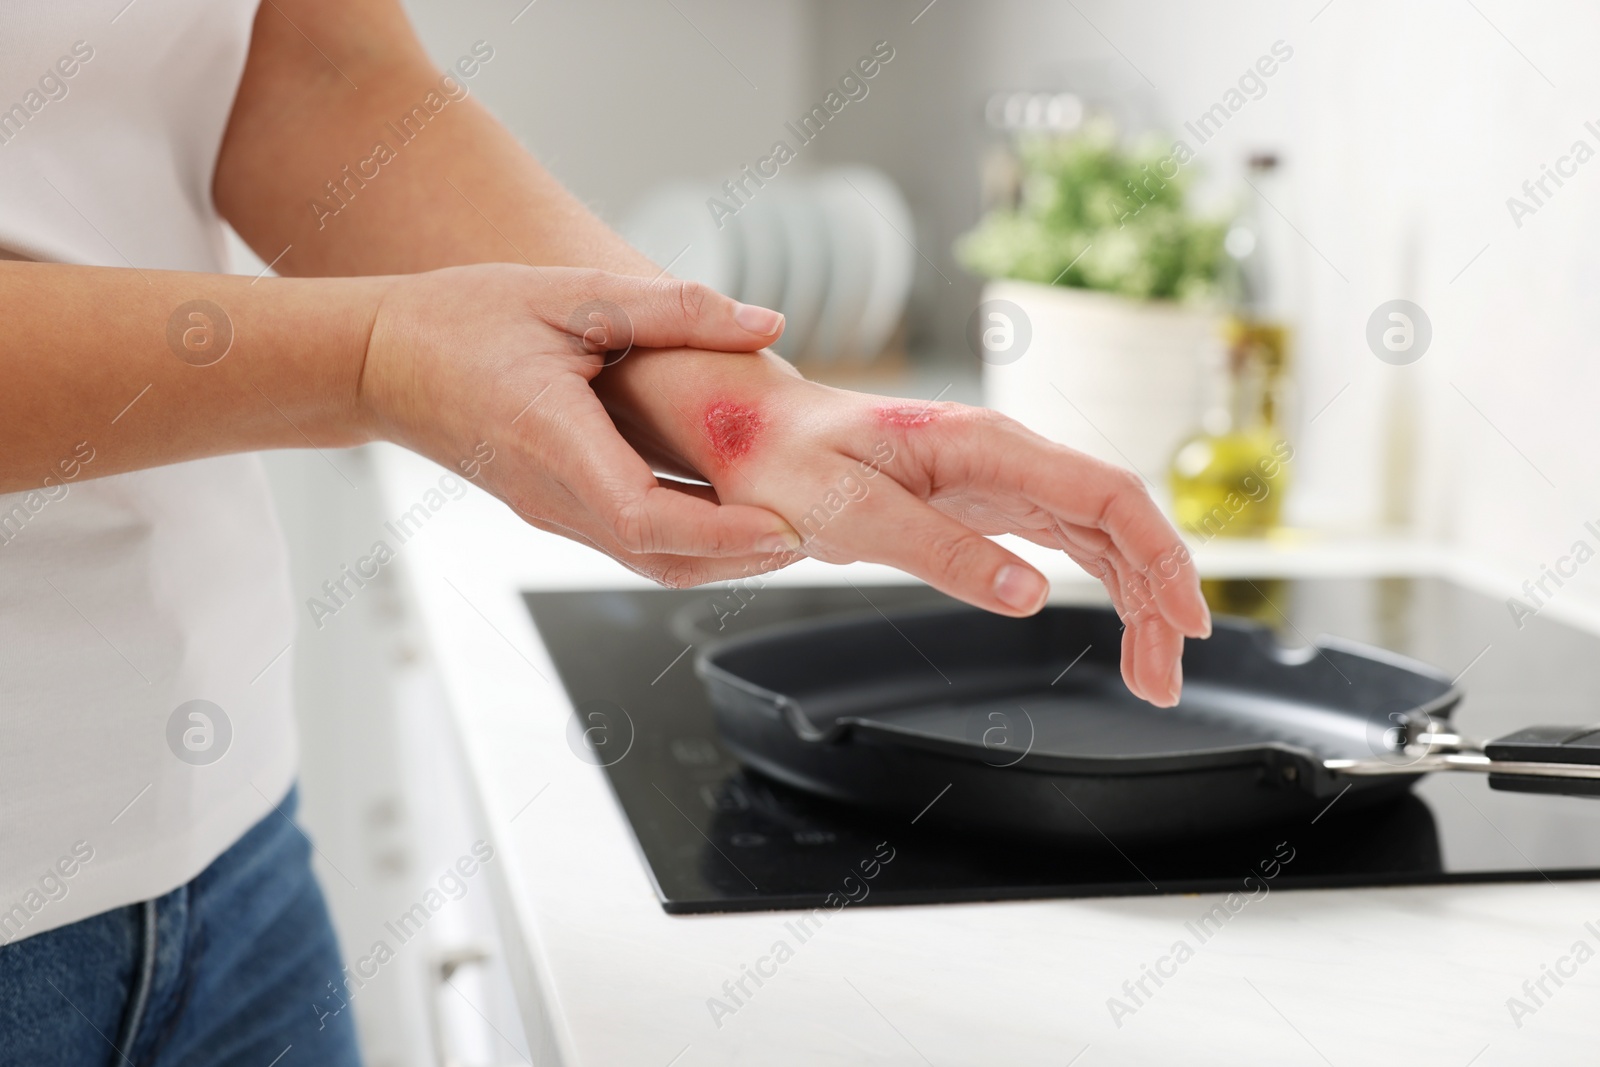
(1110,280)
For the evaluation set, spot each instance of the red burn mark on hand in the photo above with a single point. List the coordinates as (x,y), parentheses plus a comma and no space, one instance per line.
(732,428)
(907,416)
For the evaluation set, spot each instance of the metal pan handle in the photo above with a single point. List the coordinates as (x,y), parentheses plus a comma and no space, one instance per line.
(1546,747)
(1538,759)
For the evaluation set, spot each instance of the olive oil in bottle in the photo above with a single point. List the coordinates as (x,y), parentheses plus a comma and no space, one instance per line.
(1228,480)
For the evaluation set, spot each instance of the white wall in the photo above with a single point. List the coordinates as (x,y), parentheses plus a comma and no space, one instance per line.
(1417,122)
(616,95)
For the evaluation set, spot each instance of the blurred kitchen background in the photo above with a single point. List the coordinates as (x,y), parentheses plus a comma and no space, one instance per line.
(1401,131)
(1341,155)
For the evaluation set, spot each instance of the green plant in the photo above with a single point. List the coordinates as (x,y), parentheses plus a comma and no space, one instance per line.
(1094,214)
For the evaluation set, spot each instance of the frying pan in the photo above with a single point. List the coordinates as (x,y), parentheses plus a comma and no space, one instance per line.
(1024,727)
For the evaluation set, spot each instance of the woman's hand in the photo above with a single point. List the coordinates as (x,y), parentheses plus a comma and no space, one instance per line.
(502,355)
(918,486)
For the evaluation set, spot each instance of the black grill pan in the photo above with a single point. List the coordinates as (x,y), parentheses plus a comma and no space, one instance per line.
(985,724)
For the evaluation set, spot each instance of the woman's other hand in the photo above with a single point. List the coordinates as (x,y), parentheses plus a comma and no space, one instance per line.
(502,356)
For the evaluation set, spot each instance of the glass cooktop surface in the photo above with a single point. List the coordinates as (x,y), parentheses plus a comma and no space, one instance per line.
(718,837)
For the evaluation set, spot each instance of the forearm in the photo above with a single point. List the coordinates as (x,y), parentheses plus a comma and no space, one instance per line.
(460,190)
(128,362)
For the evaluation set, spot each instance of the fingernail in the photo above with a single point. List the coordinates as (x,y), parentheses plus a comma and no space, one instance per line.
(757,319)
(779,542)
(1020,589)
(1176,684)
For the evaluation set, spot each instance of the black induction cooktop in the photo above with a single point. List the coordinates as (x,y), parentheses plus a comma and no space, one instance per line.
(718,837)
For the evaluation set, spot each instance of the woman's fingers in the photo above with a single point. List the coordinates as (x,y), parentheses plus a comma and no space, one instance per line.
(902,530)
(1084,491)
(1136,600)
(675,572)
(1154,565)
(1159,661)
(644,517)
(681,572)
(611,312)
(959,448)
(1152,648)
(1130,670)
(629,510)
(668,521)
(1142,664)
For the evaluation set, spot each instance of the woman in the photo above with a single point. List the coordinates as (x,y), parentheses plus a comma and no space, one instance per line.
(440,290)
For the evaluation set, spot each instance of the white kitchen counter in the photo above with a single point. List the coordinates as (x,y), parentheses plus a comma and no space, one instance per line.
(1370,976)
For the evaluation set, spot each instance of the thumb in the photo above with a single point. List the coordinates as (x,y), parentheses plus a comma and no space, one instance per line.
(617,311)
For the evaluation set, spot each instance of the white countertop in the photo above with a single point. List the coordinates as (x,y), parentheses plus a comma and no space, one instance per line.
(1416,976)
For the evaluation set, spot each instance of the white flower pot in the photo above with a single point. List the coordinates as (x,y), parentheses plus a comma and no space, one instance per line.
(1117,378)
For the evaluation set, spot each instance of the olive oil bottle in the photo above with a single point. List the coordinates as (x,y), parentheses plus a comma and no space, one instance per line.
(1228,480)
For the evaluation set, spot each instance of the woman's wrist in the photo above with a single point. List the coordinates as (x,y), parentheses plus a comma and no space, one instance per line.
(316,334)
(697,412)
(167,366)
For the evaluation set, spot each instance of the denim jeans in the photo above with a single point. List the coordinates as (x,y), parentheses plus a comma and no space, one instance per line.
(228,969)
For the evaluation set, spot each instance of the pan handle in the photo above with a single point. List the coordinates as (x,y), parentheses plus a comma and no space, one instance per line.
(1550,746)
(1538,759)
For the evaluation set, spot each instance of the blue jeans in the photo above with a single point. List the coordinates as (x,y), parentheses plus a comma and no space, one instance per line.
(232,968)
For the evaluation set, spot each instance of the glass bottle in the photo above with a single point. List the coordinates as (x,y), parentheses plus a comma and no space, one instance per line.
(1228,480)
(1257,327)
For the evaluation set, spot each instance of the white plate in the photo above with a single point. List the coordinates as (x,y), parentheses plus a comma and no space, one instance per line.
(674,228)
(894,258)
(806,282)
(765,255)
(850,223)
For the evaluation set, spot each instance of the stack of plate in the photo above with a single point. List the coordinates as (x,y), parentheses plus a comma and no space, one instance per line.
(833,252)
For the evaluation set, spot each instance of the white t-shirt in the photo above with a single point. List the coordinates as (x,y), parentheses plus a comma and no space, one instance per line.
(123,599)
